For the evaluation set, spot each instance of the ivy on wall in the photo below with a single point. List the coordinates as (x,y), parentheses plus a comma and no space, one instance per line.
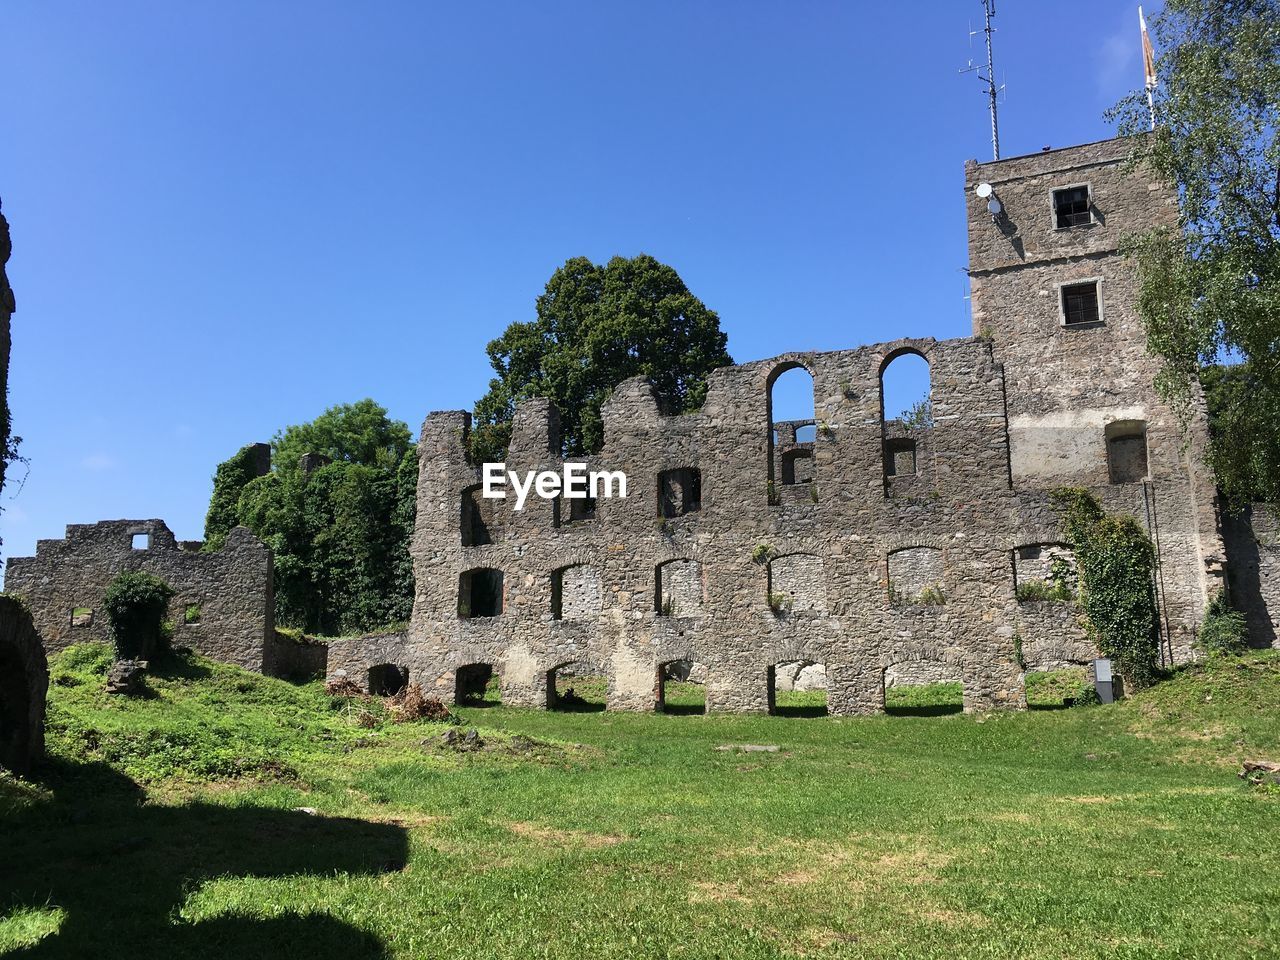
(1116,564)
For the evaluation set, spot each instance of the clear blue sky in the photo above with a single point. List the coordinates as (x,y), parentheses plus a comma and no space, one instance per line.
(228,216)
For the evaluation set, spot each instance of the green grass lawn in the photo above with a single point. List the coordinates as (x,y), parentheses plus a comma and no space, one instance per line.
(171,826)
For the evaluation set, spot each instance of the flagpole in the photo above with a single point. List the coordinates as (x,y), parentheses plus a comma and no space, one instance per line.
(1150,80)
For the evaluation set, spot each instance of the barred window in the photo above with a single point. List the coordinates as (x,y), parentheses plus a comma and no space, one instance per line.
(1080,303)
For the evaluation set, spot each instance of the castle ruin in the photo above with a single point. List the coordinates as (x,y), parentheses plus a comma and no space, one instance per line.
(880,551)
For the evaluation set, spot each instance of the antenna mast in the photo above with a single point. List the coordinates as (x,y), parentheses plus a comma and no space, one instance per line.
(993,91)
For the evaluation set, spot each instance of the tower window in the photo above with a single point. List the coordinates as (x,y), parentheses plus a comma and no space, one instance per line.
(1080,303)
(1071,207)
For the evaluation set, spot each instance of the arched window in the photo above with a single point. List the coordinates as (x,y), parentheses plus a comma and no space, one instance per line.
(476,683)
(798,688)
(682,687)
(923,688)
(387,679)
(792,426)
(906,414)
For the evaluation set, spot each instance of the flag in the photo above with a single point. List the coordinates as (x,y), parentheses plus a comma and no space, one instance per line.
(1148,55)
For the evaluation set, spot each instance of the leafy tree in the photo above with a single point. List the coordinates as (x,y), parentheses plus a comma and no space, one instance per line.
(357,432)
(1244,424)
(595,327)
(339,534)
(135,604)
(1211,290)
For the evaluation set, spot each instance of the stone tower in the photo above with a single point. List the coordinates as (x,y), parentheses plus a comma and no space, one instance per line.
(1057,298)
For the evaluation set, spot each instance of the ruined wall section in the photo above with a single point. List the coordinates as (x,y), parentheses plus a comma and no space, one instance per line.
(831,552)
(231,588)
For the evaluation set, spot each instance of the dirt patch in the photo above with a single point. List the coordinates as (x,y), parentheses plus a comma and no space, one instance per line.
(577,838)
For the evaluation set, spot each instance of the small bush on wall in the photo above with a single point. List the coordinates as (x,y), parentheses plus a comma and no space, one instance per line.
(135,604)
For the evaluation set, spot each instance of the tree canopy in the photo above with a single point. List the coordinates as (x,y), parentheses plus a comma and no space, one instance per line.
(595,327)
(359,432)
(1210,291)
(339,534)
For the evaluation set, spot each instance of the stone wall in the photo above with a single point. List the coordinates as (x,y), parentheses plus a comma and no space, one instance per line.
(1253,557)
(296,658)
(24,683)
(880,513)
(223,605)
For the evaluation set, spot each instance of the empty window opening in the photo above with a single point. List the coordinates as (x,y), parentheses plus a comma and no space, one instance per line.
(798,688)
(682,687)
(81,617)
(678,589)
(1057,689)
(915,577)
(906,412)
(797,584)
(792,423)
(1080,303)
(141,541)
(679,492)
(923,688)
(477,684)
(577,687)
(1127,451)
(581,509)
(1071,207)
(797,466)
(575,593)
(900,457)
(387,679)
(477,517)
(1045,572)
(480,593)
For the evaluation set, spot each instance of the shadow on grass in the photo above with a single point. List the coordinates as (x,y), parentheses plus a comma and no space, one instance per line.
(578,706)
(1049,706)
(806,710)
(684,709)
(933,710)
(122,870)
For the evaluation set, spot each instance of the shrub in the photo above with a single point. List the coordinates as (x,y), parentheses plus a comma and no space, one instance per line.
(1224,630)
(1032,590)
(1116,562)
(135,604)
(779,602)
